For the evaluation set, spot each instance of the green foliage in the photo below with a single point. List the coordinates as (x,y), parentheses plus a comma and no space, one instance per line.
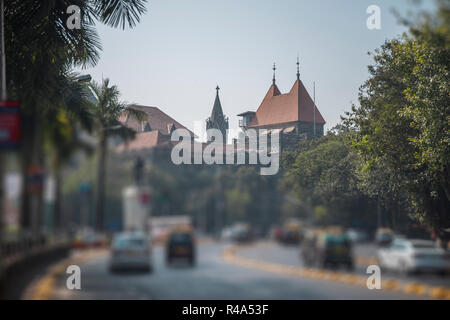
(323,176)
(108,108)
(404,116)
(40,53)
(237,203)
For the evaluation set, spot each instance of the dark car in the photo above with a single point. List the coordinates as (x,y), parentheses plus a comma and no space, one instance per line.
(291,237)
(242,233)
(291,234)
(327,250)
(180,245)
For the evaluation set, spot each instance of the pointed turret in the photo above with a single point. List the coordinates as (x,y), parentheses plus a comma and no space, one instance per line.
(217,112)
(217,119)
(295,106)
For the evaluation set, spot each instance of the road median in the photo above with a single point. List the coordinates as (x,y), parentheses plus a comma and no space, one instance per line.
(231,255)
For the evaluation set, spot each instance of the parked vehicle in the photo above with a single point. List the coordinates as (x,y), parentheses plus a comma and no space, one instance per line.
(276,233)
(323,249)
(180,245)
(241,232)
(88,238)
(414,256)
(292,234)
(131,250)
(227,234)
(358,236)
(384,237)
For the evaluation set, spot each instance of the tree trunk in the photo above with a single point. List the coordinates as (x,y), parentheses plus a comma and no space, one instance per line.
(26,154)
(32,171)
(101,169)
(379,221)
(57,213)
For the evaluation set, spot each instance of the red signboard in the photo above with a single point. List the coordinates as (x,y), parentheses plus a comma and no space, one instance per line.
(145,198)
(9,124)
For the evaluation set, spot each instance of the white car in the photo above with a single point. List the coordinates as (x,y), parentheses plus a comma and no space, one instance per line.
(414,256)
(130,250)
(357,236)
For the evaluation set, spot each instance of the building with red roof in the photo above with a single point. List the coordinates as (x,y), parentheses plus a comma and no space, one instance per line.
(293,114)
(154,130)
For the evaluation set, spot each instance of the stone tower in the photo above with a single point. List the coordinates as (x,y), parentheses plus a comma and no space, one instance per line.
(217,119)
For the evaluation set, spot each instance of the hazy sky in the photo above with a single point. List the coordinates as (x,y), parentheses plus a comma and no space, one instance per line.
(182,49)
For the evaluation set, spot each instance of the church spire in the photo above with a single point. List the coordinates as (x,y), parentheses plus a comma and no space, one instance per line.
(217,112)
(217,119)
(274,68)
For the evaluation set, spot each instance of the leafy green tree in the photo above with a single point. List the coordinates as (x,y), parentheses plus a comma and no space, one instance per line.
(404,116)
(322,175)
(237,202)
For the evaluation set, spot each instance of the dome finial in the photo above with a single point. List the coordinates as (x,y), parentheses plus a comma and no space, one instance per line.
(298,68)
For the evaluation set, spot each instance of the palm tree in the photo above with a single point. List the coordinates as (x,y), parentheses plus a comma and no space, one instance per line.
(62,134)
(39,49)
(106,114)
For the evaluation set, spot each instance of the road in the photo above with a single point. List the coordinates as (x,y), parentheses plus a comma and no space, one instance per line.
(289,255)
(212,278)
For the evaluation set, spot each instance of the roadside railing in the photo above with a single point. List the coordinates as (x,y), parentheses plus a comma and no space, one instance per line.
(16,250)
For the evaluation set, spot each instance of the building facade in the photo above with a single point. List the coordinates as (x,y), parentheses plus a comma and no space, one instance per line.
(293,115)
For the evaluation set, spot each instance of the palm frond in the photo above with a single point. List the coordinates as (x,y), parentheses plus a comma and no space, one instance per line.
(119,130)
(121,13)
(136,114)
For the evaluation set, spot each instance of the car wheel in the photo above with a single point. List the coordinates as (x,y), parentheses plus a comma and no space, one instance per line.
(381,264)
(443,273)
(414,272)
(148,269)
(112,269)
(403,268)
(383,267)
(350,266)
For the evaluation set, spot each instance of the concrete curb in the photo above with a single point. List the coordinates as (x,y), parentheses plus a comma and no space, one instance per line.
(231,255)
(43,288)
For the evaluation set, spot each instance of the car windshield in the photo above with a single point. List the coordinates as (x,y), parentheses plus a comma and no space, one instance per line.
(180,238)
(336,240)
(129,242)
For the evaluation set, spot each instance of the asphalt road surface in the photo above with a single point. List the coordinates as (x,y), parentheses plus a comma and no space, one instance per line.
(289,255)
(212,278)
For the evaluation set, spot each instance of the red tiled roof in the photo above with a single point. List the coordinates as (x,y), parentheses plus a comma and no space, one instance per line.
(143,140)
(156,119)
(277,108)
